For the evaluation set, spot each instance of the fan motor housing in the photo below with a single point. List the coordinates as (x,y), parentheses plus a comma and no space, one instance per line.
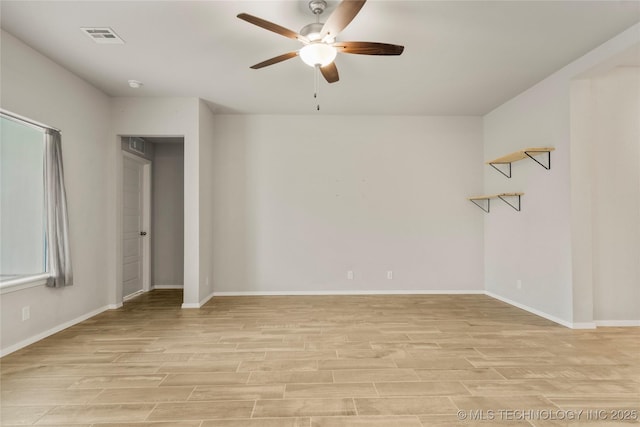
(312,31)
(317,6)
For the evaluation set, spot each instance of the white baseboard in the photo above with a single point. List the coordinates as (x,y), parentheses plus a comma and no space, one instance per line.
(133,295)
(176,286)
(617,323)
(537,312)
(583,325)
(114,306)
(199,304)
(206,299)
(190,305)
(353,292)
(54,330)
(573,325)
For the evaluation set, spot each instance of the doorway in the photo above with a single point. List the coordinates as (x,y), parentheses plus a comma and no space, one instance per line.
(152,214)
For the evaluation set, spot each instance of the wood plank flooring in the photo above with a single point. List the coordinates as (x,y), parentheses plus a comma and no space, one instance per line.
(323,361)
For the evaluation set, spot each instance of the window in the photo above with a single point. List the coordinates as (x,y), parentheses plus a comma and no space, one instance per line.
(22,216)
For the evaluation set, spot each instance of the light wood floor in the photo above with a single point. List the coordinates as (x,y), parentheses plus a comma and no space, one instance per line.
(322,361)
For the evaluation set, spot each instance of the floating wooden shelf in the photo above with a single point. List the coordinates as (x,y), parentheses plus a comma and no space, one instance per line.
(502,196)
(520,155)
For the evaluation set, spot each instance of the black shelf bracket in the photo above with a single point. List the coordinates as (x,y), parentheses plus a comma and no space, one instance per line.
(484,202)
(475,202)
(516,207)
(531,155)
(508,173)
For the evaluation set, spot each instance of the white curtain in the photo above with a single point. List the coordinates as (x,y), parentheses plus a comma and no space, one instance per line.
(57,223)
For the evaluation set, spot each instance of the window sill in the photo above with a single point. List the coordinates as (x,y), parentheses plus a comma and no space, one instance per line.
(21,283)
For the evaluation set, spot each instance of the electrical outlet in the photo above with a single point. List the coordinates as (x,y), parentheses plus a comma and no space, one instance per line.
(390,274)
(519,284)
(350,275)
(26,313)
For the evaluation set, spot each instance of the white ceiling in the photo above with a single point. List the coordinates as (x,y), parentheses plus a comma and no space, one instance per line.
(461,57)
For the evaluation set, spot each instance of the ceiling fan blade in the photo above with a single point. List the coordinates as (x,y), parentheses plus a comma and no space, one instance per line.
(369,48)
(330,72)
(272,27)
(341,17)
(275,60)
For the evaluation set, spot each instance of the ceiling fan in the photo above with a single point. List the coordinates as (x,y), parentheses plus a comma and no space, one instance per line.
(319,39)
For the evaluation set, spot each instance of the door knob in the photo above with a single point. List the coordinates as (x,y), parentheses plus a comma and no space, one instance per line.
(143,233)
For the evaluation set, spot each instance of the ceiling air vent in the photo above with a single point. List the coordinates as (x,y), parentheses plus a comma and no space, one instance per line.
(102,35)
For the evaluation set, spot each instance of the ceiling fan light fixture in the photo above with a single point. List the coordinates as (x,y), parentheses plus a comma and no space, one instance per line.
(319,39)
(318,54)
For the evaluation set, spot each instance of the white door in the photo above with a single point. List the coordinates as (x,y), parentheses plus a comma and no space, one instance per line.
(132,226)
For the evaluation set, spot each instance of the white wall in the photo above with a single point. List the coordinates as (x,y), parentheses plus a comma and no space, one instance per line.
(542,245)
(167,230)
(581,201)
(300,200)
(160,117)
(206,136)
(533,245)
(615,180)
(36,87)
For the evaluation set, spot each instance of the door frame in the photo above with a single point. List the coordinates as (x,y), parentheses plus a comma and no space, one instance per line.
(146,218)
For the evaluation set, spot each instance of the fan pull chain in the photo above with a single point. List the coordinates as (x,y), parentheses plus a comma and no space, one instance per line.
(316,85)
